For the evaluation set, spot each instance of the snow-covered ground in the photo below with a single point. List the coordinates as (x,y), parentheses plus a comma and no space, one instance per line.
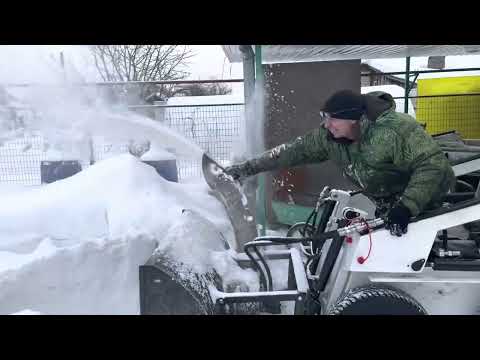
(74,246)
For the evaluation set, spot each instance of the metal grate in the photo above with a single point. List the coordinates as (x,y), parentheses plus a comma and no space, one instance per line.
(20,161)
(212,127)
(442,113)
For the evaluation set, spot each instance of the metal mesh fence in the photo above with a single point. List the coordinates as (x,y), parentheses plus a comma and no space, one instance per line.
(20,161)
(213,127)
(443,113)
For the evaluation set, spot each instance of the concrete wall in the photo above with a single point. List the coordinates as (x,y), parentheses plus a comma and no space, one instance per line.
(294,94)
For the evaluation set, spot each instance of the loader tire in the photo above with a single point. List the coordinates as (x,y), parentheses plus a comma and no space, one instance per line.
(372,300)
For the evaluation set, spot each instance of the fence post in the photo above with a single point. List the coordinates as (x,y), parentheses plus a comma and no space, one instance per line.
(91,148)
(160,111)
(407,84)
(260,211)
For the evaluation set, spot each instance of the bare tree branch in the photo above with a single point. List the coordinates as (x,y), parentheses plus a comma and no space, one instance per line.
(142,63)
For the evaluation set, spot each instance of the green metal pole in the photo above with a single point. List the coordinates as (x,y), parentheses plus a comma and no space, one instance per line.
(407,84)
(261,214)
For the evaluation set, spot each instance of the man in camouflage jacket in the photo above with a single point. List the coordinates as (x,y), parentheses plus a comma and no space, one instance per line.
(388,154)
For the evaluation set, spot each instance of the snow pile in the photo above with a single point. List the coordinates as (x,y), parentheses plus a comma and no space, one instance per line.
(74,246)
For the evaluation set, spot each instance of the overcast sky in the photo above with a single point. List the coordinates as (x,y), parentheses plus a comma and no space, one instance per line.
(20,64)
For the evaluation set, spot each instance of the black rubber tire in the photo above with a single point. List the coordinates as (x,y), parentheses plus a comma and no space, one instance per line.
(373,300)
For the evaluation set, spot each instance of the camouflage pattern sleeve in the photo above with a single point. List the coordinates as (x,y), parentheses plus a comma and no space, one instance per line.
(306,149)
(431,174)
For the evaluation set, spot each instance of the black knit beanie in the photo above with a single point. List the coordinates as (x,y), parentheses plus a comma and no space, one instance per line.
(345,104)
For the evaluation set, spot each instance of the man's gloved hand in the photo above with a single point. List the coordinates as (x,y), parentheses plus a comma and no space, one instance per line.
(238,172)
(397,220)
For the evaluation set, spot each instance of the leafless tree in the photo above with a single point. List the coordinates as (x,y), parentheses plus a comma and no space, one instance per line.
(142,63)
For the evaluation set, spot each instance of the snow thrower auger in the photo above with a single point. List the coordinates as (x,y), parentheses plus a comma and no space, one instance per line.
(168,286)
(339,262)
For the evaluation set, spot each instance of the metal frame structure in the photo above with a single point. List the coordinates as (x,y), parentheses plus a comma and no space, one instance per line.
(322,280)
(339,53)
(297,283)
(119,83)
(409,73)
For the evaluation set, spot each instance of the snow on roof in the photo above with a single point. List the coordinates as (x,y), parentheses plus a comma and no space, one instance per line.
(395,91)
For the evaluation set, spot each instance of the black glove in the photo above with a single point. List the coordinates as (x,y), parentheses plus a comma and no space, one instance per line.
(397,220)
(237,172)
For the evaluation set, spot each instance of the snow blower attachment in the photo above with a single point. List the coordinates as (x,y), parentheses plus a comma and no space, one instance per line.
(176,279)
(192,263)
(228,192)
(171,285)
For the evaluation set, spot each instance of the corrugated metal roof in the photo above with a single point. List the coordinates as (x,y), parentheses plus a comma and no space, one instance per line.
(308,53)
